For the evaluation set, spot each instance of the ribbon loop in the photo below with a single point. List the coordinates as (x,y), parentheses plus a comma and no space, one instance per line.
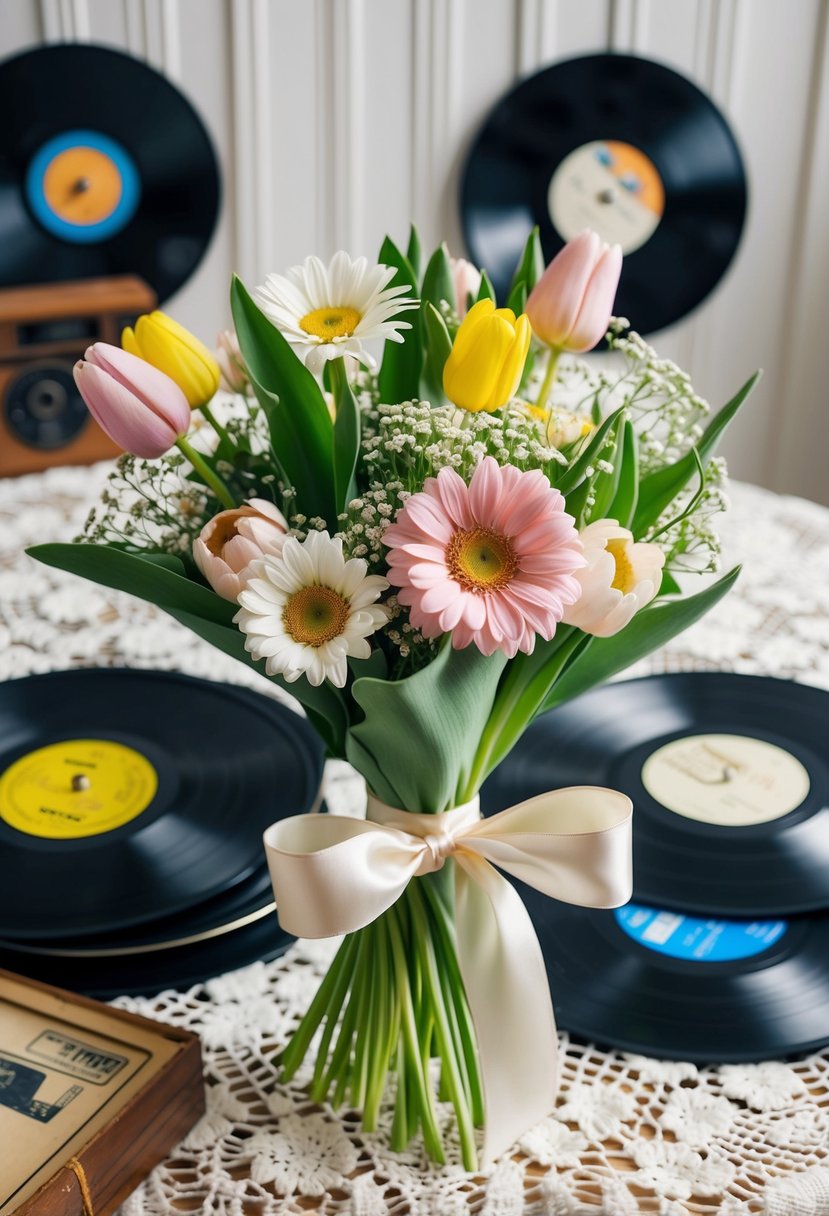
(334,875)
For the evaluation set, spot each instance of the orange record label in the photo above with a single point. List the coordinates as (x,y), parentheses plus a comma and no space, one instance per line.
(82,185)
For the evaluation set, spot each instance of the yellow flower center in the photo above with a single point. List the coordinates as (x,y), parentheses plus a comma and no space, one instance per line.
(481,560)
(624,579)
(327,323)
(315,615)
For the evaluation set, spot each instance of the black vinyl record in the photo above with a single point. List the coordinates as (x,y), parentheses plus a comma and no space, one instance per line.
(622,145)
(729,777)
(105,169)
(111,975)
(129,796)
(686,988)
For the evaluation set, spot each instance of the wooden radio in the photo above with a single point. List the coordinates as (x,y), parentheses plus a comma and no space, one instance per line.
(44,330)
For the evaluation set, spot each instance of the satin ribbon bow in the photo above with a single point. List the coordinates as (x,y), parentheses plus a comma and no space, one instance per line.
(334,875)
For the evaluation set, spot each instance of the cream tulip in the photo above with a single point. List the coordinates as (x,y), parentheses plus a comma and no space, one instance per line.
(621,576)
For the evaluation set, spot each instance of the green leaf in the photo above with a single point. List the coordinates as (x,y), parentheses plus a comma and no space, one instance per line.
(577,471)
(692,505)
(623,506)
(669,585)
(413,748)
(438,283)
(136,575)
(658,490)
(399,377)
(438,346)
(324,705)
(517,299)
(346,436)
(531,267)
(649,629)
(167,560)
(414,253)
(604,485)
(300,425)
(486,291)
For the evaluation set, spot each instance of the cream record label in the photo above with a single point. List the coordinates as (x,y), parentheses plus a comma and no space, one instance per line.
(729,778)
(611,187)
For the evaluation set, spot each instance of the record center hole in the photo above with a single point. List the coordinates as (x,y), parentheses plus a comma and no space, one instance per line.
(608,195)
(80,782)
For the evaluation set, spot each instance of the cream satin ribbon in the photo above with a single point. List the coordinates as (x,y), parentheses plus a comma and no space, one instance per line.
(334,875)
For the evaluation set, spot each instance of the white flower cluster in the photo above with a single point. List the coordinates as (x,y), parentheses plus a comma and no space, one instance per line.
(692,545)
(148,504)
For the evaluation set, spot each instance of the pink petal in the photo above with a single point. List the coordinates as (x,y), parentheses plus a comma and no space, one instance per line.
(152,387)
(554,303)
(591,324)
(485,491)
(128,422)
(440,596)
(454,497)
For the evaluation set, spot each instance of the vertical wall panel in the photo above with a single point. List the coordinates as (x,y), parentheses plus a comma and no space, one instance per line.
(337,121)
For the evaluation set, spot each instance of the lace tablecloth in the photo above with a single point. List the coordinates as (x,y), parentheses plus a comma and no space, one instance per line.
(630,1134)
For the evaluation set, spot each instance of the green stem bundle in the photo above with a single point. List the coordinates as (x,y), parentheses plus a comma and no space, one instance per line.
(391,1001)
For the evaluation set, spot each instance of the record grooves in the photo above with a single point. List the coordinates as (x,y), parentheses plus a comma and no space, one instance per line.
(195,772)
(744,761)
(622,145)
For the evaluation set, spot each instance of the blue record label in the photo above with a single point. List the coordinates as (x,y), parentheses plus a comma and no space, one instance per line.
(698,939)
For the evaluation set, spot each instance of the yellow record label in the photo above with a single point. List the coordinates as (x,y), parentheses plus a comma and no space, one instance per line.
(80,787)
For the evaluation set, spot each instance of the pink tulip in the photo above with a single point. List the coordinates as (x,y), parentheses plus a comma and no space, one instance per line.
(231,540)
(140,408)
(466,279)
(570,305)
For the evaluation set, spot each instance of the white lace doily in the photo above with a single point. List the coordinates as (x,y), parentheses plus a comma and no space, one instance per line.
(631,1134)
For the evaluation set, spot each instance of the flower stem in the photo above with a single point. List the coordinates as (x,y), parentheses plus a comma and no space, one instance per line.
(210,417)
(204,471)
(549,378)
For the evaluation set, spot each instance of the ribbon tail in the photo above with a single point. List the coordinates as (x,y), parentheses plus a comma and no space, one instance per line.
(509,998)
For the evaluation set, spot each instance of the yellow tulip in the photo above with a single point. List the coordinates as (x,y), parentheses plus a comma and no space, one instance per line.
(486,361)
(161,341)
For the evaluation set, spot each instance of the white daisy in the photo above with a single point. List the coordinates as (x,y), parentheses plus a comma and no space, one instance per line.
(307,609)
(325,312)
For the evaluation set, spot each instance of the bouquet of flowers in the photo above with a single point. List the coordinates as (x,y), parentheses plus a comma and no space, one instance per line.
(429,520)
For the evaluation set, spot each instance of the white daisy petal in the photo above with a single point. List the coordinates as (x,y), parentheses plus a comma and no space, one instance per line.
(310,609)
(360,304)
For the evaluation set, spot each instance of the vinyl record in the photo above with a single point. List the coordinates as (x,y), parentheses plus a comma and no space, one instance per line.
(622,145)
(681,987)
(105,168)
(128,796)
(729,777)
(127,974)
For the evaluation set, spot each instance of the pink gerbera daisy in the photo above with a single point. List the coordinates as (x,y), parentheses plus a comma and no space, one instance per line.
(494,561)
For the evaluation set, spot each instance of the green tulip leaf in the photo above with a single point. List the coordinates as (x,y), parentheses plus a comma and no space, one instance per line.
(141,576)
(300,425)
(438,348)
(593,451)
(605,485)
(649,629)
(530,268)
(438,283)
(658,490)
(346,436)
(623,506)
(324,706)
(486,291)
(413,747)
(399,376)
(414,254)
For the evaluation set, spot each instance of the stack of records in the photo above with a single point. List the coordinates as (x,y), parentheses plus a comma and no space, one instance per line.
(132,807)
(723,954)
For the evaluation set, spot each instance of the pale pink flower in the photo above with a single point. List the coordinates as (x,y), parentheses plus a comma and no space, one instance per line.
(234,374)
(231,540)
(139,407)
(466,279)
(571,303)
(621,576)
(493,562)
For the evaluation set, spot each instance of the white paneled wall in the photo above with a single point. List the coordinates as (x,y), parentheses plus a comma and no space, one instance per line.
(337,120)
